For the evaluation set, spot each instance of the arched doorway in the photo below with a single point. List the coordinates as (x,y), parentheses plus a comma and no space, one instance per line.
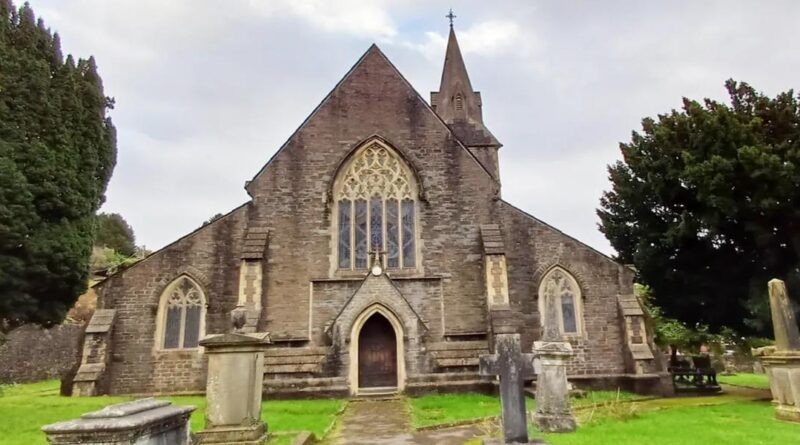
(377,353)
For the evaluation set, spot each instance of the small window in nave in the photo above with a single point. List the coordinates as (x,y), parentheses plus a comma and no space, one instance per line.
(561,289)
(182,310)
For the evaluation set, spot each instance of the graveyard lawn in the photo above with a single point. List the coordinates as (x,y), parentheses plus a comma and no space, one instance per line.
(24,409)
(610,418)
(452,409)
(747,380)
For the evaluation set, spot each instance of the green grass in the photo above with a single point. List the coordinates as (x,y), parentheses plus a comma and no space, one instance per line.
(736,422)
(758,381)
(441,409)
(438,409)
(24,409)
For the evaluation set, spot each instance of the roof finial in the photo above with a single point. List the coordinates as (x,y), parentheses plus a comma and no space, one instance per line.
(451,16)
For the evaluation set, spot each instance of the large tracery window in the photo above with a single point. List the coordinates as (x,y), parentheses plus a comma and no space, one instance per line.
(376,202)
(560,287)
(182,314)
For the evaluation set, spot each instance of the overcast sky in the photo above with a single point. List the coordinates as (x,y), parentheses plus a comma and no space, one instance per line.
(207,91)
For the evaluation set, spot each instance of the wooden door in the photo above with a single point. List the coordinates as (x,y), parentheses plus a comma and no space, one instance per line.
(377,354)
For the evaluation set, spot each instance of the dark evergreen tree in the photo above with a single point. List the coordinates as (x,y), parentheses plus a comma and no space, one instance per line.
(706,204)
(57,153)
(115,233)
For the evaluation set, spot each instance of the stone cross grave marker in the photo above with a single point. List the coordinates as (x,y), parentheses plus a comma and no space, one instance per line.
(512,366)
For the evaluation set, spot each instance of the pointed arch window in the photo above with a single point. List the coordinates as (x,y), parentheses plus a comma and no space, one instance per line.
(459,102)
(560,287)
(181,315)
(376,209)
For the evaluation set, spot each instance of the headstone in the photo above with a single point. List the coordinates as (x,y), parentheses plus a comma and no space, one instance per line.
(553,414)
(782,362)
(512,366)
(141,422)
(90,380)
(234,389)
(787,334)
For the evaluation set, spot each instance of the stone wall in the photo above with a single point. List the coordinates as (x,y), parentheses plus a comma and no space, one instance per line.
(32,353)
(302,291)
(532,248)
(210,257)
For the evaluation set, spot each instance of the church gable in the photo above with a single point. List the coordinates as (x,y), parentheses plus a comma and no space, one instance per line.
(372,99)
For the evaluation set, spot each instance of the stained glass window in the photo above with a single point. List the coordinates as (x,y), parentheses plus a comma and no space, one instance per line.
(183,317)
(392,234)
(559,287)
(361,234)
(345,210)
(568,313)
(376,223)
(376,197)
(408,233)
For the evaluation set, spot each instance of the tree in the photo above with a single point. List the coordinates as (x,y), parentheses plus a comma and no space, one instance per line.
(115,233)
(706,204)
(57,153)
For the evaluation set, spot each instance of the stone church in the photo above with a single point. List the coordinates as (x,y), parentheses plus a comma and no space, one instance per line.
(377,252)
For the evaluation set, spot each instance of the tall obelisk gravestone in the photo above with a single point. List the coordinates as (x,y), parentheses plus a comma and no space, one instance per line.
(553,414)
(782,362)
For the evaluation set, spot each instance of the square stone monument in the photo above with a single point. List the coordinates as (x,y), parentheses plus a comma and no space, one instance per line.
(141,422)
(234,389)
(553,414)
(782,362)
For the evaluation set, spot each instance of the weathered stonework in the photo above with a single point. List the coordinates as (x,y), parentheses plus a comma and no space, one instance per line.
(91,378)
(141,422)
(233,396)
(782,361)
(275,257)
(32,353)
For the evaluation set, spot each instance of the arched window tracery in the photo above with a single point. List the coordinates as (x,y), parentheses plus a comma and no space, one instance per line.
(560,287)
(181,314)
(376,209)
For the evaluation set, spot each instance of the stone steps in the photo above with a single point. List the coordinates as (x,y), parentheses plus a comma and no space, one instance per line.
(458,354)
(458,345)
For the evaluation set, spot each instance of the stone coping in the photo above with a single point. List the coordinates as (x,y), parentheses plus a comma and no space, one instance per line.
(236,340)
(121,417)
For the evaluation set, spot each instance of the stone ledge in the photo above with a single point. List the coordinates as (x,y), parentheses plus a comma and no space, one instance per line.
(304,438)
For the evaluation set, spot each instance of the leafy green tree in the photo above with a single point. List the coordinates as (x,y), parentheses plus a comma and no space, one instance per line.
(115,233)
(706,204)
(57,153)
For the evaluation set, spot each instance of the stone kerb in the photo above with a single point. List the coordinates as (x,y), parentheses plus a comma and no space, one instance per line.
(234,389)
(141,422)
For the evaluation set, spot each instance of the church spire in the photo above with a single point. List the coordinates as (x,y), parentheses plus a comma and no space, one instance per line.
(460,106)
(456,97)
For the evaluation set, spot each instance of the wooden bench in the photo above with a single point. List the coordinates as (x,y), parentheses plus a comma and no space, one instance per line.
(695,376)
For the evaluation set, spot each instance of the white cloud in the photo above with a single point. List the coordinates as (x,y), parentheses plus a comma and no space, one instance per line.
(487,38)
(206,91)
(362,18)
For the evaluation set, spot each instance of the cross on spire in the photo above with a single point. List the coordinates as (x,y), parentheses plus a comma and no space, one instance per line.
(451,16)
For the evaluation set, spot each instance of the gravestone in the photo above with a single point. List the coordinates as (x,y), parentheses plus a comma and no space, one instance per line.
(553,414)
(782,362)
(512,366)
(234,389)
(141,422)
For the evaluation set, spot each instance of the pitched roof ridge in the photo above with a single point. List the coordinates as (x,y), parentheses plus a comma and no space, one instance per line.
(439,118)
(524,213)
(373,48)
